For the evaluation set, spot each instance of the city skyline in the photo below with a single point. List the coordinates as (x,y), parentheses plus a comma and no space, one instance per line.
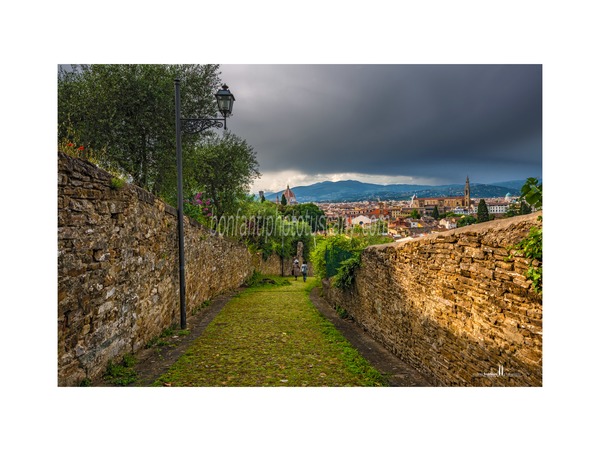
(389,123)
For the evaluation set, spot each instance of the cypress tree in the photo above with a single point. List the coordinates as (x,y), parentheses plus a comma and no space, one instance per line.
(483,214)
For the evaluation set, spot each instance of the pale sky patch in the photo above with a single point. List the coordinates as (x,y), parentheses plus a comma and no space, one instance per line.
(278,181)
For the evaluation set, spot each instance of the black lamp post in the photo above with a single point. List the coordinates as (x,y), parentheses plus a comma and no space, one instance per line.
(225,101)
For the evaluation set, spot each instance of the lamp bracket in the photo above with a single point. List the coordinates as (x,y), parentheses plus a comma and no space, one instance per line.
(192,126)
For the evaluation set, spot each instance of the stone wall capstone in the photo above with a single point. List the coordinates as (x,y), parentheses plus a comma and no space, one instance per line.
(452,305)
(118,276)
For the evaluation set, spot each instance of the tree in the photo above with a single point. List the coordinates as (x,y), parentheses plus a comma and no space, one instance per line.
(436,213)
(524,208)
(513,210)
(482,212)
(415,214)
(311,213)
(466,220)
(126,114)
(283,200)
(225,168)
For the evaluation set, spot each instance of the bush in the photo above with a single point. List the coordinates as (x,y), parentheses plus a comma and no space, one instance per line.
(346,272)
(531,248)
(116,183)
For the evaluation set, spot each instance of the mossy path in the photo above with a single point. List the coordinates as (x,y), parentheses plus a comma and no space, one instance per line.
(271,335)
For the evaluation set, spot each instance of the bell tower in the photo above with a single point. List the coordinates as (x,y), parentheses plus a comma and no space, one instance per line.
(467,194)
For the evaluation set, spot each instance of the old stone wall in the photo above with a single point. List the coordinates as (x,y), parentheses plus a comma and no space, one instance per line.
(452,305)
(118,270)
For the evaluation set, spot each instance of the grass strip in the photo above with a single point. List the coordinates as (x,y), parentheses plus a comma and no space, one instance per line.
(272,335)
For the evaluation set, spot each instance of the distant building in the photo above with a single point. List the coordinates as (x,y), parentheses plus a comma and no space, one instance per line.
(497,207)
(380,212)
(361,220)
(449,223)
(427,205)
(290,197)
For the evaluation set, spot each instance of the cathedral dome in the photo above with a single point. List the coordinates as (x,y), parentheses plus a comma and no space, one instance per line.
(290,196)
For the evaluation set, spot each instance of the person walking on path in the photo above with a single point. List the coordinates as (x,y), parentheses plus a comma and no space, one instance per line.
(304,269)
(296,268)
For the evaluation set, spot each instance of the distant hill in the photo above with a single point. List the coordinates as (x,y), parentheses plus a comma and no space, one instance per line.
(352,190)
(515,185)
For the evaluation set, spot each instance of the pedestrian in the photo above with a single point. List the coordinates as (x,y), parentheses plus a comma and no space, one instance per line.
(304,269)
(296,268)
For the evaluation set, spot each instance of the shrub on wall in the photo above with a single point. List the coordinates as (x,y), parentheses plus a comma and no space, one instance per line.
(346,272)
(531,246)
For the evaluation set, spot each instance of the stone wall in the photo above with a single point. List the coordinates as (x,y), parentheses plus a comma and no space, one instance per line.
(452,306)
(118,275)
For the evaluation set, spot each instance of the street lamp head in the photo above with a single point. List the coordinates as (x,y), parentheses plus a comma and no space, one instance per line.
(225,101)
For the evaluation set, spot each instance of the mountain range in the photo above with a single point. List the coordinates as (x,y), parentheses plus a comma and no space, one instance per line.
(352,190)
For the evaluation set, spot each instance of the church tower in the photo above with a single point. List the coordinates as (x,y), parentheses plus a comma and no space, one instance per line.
(467,194)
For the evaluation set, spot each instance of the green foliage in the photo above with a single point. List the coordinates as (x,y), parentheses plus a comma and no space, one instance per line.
(415,214)
(257,279)
(436,213)
(116,183)
(225,168)
(466,220)
(524,208)
(199,212)
(283,200)
(201,306)
(265,228)
(161,340)
(127,111)
(531,195)
(341,312)
(308,212)
(317,257)
(531,248)
(483,214)
(350,246)
(531,192)
(122,374)
(320,252)
(448,215)
(346,272)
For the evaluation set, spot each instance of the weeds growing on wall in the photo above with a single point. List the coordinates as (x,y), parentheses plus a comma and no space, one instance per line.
(122,374)
(531,248)
(116,183)
(346,272)
(338,256)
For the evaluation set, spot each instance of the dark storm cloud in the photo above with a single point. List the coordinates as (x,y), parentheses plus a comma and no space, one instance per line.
(435,121)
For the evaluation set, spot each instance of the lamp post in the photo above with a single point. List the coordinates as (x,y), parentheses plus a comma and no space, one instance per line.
(225,101)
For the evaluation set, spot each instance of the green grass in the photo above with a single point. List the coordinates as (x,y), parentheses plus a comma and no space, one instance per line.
(272,335)
(122,374)
(159,341)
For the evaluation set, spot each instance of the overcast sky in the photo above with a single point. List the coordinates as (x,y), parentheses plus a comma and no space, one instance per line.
(417,124)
